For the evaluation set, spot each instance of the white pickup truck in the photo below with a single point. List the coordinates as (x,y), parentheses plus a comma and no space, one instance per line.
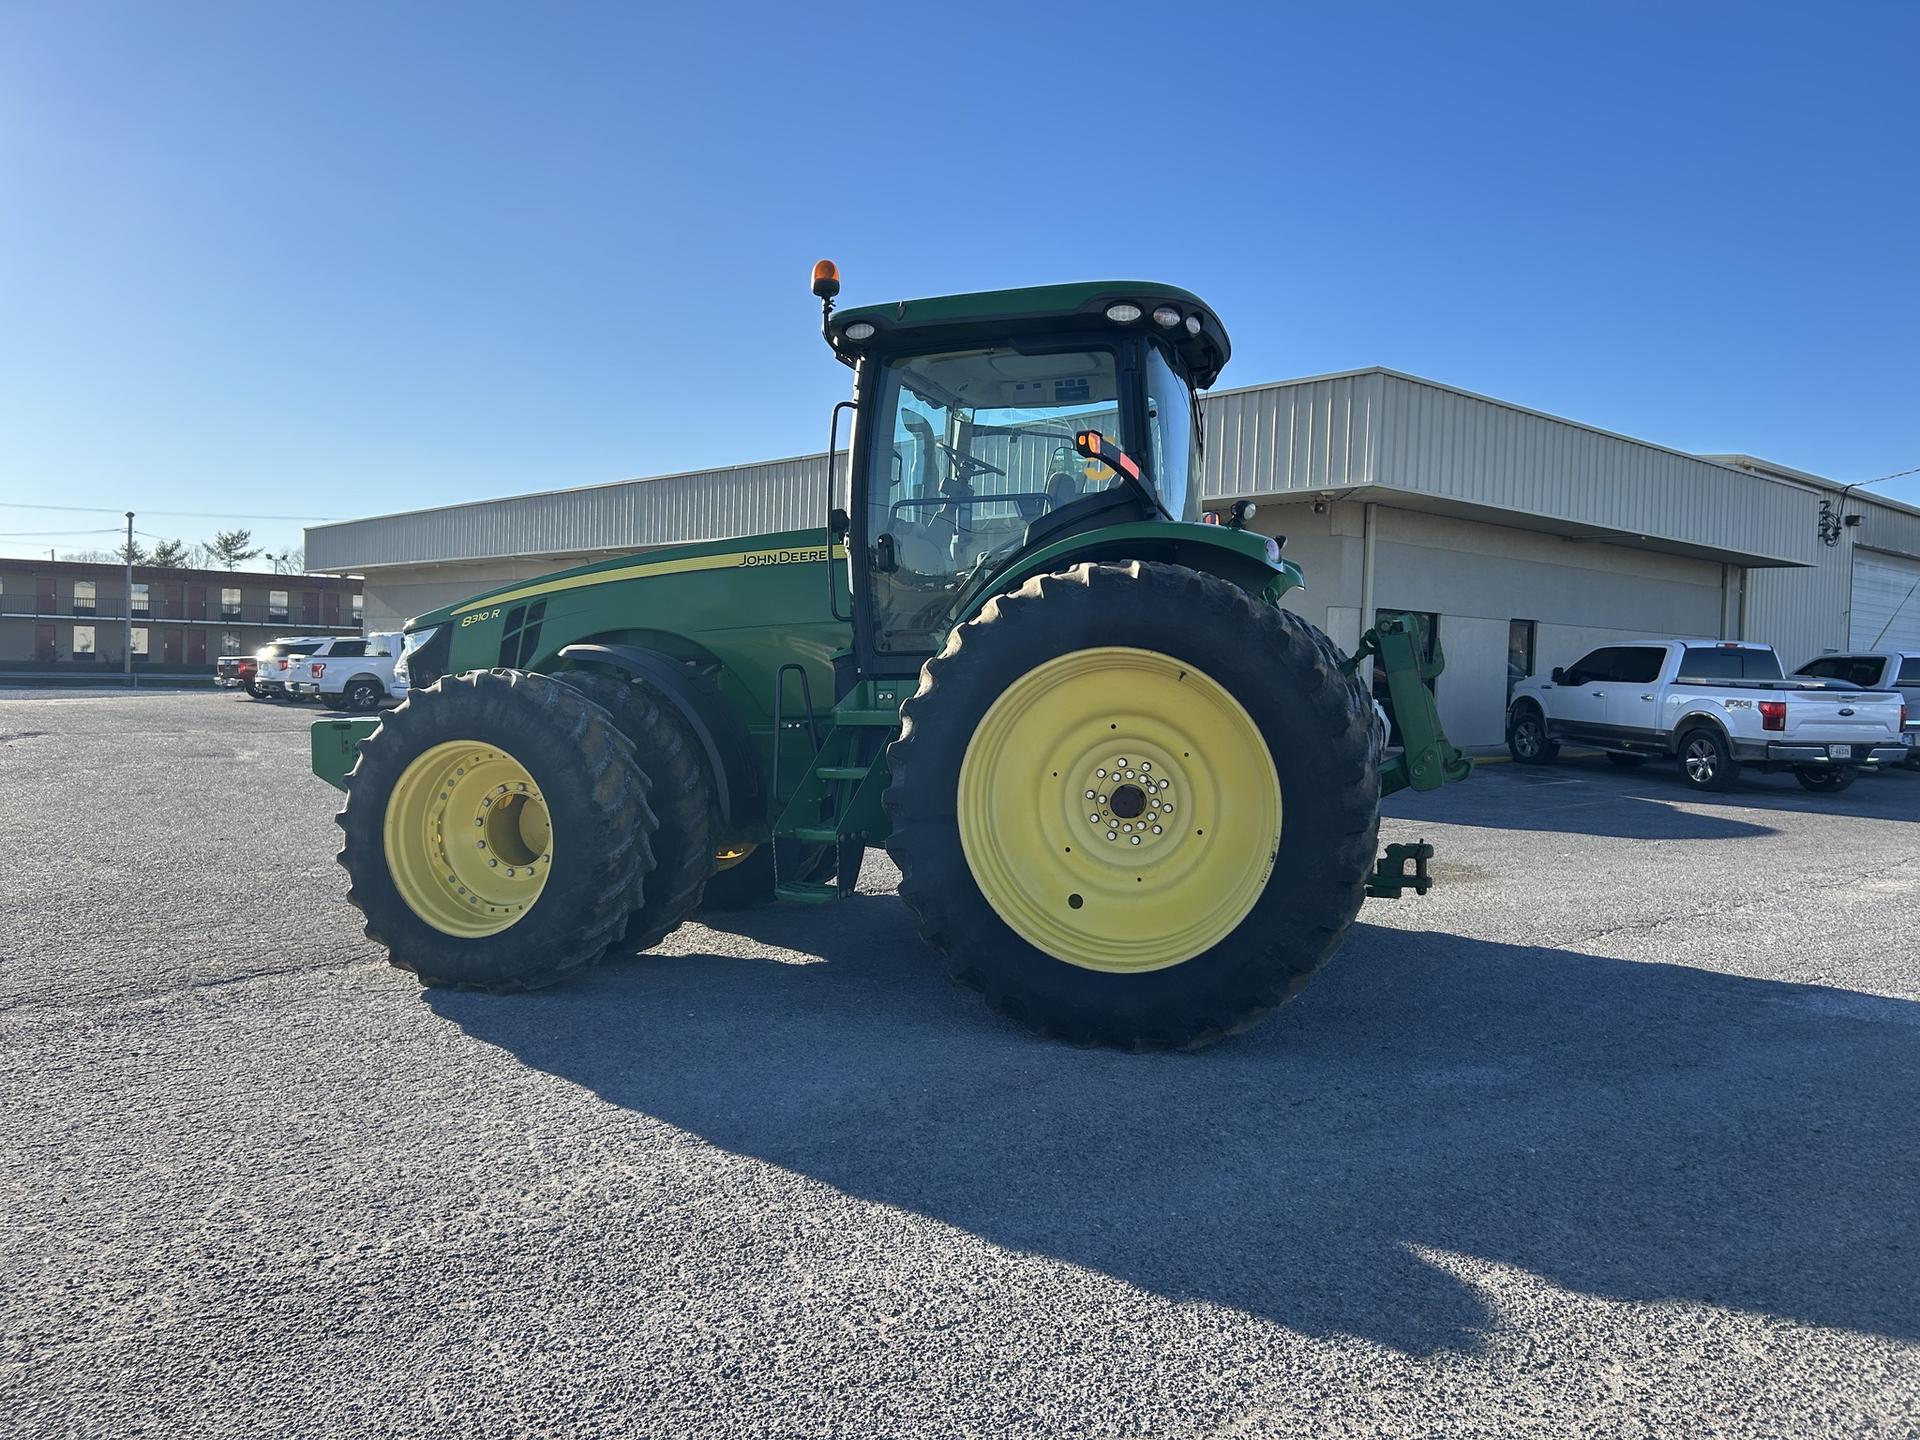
(1716,706)
(1875,670)
(355,673)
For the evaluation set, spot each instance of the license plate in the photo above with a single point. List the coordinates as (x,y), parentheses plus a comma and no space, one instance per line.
(1840,752)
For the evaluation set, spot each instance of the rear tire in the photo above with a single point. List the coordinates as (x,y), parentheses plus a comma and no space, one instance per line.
(459,922)
(1527,740)
(362,695)
(681,799)
(1706,761)
(1823,780)
(1266,902)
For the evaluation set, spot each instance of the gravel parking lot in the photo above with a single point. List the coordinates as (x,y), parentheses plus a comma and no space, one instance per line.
(1615,1133)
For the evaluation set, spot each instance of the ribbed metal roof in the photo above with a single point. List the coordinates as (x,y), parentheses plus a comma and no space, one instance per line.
(1414,441)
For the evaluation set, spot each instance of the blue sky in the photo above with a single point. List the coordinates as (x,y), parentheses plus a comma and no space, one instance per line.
(348,258)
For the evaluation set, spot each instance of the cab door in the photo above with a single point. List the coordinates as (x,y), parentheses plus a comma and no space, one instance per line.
(1632,709)
(1577,704)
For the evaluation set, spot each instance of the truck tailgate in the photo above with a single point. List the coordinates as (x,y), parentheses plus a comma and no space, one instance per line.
(1839,717)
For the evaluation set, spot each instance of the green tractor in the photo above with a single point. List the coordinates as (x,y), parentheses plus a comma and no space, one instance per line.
(1133,800)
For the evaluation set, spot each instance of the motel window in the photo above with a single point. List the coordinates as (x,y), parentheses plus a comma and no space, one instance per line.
(359,606)
(230,603)
(230,642)
(276,604)
(142,599)
(83,642)
(139,642)
(1521,635)
(83,597)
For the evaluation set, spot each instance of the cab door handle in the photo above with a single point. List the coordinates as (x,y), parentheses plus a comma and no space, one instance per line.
(1646,697)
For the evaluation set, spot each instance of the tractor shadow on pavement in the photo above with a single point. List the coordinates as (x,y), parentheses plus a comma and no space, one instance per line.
(1632,1131)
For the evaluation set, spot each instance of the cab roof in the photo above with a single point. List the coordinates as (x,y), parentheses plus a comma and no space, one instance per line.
(987,315)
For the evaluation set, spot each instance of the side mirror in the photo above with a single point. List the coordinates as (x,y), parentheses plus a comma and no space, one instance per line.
(838,524)
(1559,676)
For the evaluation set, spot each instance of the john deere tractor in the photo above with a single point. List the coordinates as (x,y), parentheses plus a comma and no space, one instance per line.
(1132,798)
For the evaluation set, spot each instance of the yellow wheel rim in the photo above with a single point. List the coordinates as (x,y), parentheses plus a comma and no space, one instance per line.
(731,856)
(1119,809)
(468,838)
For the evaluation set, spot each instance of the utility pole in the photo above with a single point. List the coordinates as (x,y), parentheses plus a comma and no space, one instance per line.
(128,652)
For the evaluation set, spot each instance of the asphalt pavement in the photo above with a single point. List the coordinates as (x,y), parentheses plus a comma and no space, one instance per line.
(1615,1133)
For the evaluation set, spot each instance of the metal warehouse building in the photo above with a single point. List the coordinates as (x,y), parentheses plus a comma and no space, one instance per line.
(1527,539)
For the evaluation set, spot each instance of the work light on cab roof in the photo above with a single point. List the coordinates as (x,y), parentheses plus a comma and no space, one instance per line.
(1132,798)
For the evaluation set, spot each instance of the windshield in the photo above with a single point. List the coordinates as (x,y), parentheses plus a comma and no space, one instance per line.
(1173,437)
(976,446)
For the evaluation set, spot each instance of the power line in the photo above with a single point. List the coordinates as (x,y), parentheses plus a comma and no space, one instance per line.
(177,514)
(29,534)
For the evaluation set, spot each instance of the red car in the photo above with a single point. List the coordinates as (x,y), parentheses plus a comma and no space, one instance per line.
(232,670)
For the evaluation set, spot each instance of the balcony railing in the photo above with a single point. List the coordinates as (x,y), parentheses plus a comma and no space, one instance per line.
(162,611)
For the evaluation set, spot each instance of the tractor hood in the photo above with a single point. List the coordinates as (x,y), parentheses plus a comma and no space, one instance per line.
(1181,319)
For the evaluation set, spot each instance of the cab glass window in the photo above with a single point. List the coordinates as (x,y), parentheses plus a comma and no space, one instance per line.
(1595,665)
(1173,438)
(1637,664)
(1909,671)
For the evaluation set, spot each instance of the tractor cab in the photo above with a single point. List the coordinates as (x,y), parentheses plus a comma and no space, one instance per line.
(992,426)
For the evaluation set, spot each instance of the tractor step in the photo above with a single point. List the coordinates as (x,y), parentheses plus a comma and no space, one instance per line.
(879,719)
(806,892)
(841,772)
(812,834)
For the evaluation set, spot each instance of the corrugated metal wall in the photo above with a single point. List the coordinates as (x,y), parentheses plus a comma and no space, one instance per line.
(1304,436)
(1803,612)
(698,505)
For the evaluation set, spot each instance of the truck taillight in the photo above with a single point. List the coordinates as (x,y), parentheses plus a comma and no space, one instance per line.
(1773,714)
(319,668)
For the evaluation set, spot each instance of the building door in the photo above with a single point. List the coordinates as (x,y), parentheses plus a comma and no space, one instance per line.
(171,644)
(45,646)
(330,608)
(176,603)
(196,602)
(1886,602)
(197,645)
(45,600)
(309,607)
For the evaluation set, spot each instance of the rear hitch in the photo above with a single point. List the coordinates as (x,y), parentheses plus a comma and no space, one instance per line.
(1390,879)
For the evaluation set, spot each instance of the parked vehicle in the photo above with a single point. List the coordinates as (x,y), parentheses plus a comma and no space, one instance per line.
(354,673)
(1716,706)
(230,671)
(274,659)
(1876,670)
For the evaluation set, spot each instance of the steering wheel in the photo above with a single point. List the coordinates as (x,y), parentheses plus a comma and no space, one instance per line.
(974,466)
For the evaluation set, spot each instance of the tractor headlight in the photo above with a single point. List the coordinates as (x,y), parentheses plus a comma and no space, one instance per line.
(1193,324)
(1123,313)
(1166,316)
(859,330)
(1273,551)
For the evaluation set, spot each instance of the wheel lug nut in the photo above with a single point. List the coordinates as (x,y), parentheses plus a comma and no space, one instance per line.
(1112,836)
(1136,839)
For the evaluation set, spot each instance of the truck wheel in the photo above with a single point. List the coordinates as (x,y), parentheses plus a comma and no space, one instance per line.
(1706,763)
(1527,740)
(1823,780)
(362,694)
(681,799)
(1132,805)
(497,831)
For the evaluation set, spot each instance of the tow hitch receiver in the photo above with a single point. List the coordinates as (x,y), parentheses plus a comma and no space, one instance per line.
(1390,879)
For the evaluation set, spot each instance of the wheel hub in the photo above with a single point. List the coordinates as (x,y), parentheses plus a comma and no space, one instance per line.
(1119,809)
(469,839)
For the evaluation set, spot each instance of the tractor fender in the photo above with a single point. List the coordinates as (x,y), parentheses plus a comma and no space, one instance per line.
(722,735)
(1237,556)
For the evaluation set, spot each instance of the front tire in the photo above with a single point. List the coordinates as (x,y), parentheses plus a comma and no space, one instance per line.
(1706,761)
(1527,740)
(496,831)
(1134,806)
